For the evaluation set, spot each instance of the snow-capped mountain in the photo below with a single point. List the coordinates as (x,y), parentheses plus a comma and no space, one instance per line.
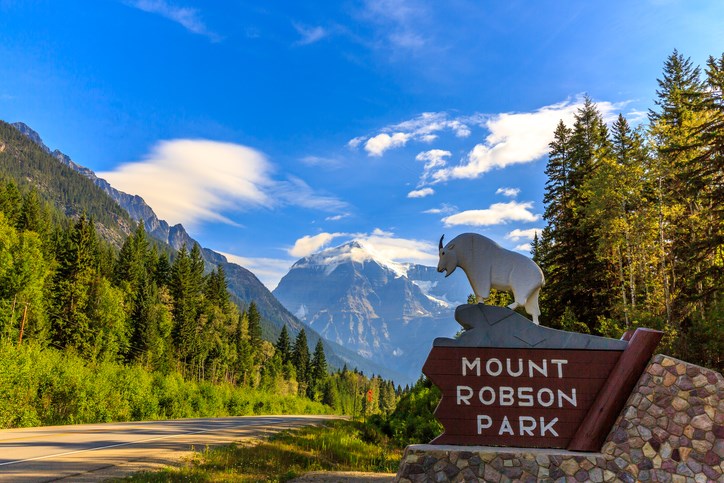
(386,311)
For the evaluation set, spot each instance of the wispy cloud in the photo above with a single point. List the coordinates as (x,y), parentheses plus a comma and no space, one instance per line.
(269,270)
(398,22)
(187,17)
(421,193)
(384,243)
(423,128)
(509,192)
(444,209)
(191,181)
(528,234)
(337,217)
(309,35)
(516,138)
(433,159)
(295,191)
(513,138)
(496,214)
(309,244)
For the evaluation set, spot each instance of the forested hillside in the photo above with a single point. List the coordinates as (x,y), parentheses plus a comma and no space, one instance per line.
(635,233)
(77,311)
(96,196)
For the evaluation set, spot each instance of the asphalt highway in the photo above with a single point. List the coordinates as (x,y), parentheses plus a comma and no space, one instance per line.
(94,452)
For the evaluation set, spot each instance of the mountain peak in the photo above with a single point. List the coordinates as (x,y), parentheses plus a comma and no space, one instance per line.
(31,134)
(353,251)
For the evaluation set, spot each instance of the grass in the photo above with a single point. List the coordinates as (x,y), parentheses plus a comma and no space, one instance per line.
(334,446)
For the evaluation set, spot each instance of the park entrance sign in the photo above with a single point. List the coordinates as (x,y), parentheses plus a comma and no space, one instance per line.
(508,382)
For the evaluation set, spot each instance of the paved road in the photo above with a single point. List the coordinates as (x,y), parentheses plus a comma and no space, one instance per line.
(93,452)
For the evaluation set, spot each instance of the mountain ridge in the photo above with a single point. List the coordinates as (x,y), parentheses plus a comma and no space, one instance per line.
(243,284)
(382,309)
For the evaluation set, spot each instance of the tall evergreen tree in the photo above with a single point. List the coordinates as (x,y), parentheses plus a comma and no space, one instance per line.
(77,261)
(300,360)
(254,325)
(284,345)
(317,372)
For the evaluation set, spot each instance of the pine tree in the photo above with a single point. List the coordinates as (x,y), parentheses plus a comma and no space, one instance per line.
(254,325)
(284,345)
(77,262)
(317,372)
(683,221)
(300,360)
(575,276)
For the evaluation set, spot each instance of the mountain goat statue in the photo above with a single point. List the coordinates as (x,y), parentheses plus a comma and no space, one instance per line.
(488,265)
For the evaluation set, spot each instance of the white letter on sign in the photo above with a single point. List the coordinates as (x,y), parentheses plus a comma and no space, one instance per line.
(526,428)
(484,422)
(559,363)
(506,396)
(505,427)
(464,397)
(489,364)
(547,427)
(467,365)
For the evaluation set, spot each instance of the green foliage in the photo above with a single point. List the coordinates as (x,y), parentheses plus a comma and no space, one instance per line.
(48,387)
(31,168)
(412,421)
(335,446)
(63,285)
(635,233)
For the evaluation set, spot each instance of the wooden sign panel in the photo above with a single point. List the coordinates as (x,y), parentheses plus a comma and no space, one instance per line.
(516,397)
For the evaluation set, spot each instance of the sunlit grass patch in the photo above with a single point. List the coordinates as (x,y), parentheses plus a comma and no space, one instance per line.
(335,446)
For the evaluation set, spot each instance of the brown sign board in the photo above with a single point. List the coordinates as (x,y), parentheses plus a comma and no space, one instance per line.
(515,397)
(508,382)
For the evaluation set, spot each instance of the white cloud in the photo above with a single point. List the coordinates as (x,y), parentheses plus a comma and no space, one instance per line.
(525,247)
(444,209)
(421,193)
(384,243)
(517,234)
(402,250)
(423,128)
(509,192)
(190,181)
(433,158)
(498,213)
(398,22)
(355,142)
(186,17)
(337,217)
(294,191)
(377,145)
(517,138)
(269,270)
(309,244)
(635,116)
(309,35)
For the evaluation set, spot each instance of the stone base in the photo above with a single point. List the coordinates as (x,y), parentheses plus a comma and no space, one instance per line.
(671,429)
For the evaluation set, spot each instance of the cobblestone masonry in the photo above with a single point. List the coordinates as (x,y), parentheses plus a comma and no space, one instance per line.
(671,429)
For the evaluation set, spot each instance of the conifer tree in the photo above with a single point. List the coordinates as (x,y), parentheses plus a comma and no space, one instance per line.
(284,345)
(317,371)
(300,360)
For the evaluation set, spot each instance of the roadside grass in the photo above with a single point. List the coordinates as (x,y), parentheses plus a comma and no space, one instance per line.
(334,446)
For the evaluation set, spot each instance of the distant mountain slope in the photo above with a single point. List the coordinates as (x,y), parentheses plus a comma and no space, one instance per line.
(26,160)
(385,311)
(24,156)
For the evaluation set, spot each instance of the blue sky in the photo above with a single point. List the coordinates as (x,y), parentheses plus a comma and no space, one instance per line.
(273,129)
